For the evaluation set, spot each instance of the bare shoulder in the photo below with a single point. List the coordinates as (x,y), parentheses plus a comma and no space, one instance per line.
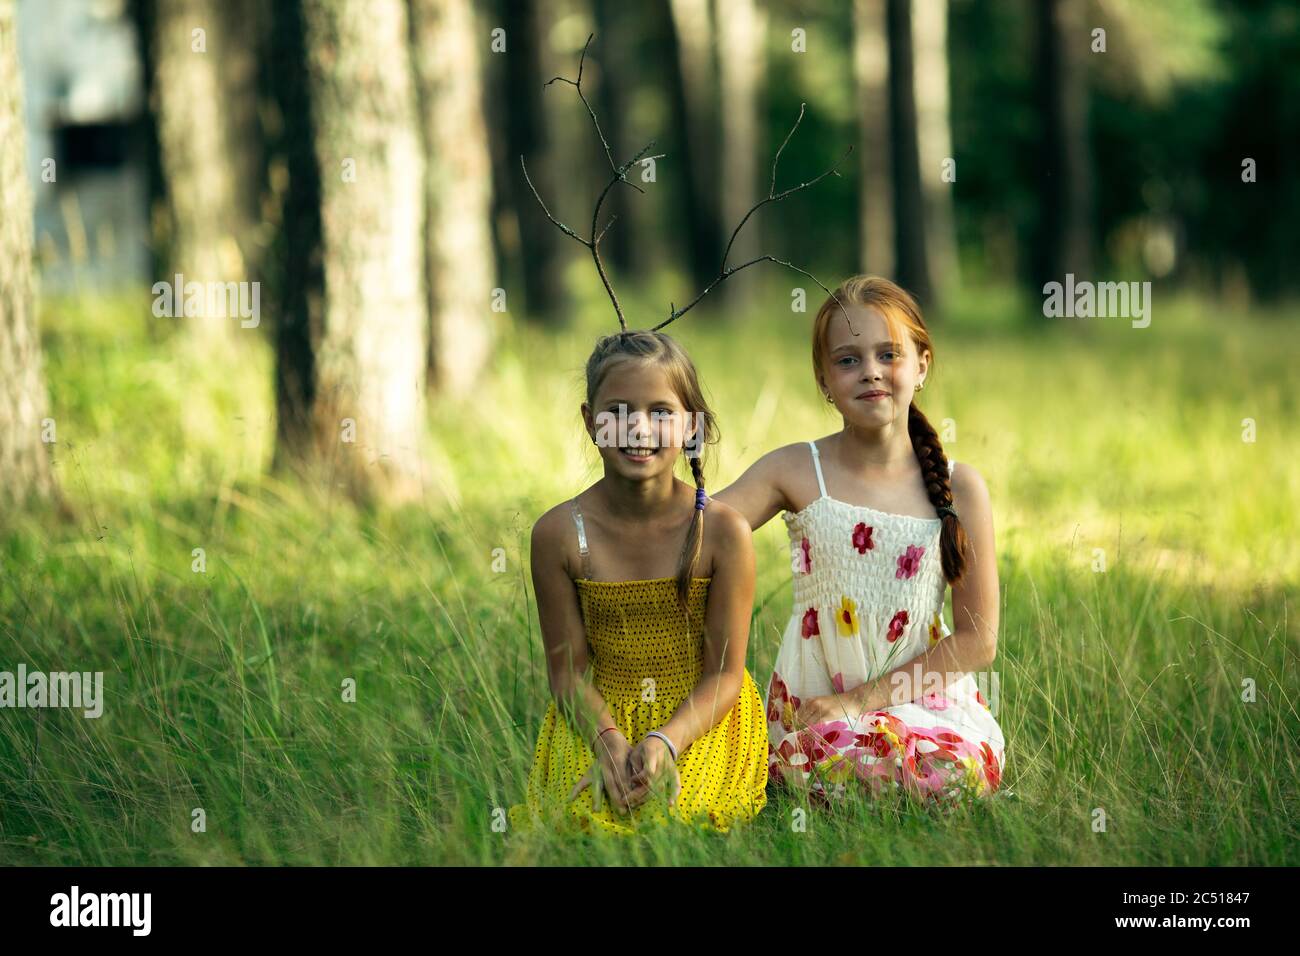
(551,533)
(728,538)
(969,492)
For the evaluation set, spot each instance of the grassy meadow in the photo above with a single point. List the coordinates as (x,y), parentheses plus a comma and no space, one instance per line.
(1119,690)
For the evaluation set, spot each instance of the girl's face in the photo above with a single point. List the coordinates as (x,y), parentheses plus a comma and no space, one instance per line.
(638,422)
(870,378)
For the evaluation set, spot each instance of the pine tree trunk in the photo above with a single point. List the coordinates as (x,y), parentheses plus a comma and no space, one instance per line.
(371,360)
(741,53)
(245,26)
(295,257)
(617,28)
(25,472)
(934,136)
(458,190)
(692,91)
(1064,239)
(190,104)
(527,136)
(875,151)
(909,208)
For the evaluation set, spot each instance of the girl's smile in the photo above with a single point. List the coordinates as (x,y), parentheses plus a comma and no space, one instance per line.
(639,454)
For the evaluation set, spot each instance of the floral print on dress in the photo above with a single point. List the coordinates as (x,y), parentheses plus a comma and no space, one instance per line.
(781,704)
(880,750)
(910,562)
(873,598)
(809,627)
(862,538)
(846,618)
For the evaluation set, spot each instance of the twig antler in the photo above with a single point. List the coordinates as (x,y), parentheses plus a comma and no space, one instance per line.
(620,176)
(772,196)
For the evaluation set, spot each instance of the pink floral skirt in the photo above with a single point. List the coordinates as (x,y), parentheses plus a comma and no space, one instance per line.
(906,749)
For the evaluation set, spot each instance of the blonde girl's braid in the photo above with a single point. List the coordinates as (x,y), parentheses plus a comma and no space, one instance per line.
(694,535)
(934,470)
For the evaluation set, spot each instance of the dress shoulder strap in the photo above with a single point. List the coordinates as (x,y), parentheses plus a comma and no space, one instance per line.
(950,465)
(817,464)
(582,538)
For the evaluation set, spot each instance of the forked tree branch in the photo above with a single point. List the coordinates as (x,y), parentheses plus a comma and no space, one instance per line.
(772,196)
(620,176)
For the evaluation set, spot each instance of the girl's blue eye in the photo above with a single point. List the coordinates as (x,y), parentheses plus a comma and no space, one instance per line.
(889,353)
(846,358)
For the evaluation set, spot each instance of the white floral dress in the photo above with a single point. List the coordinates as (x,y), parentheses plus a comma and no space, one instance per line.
(868,596)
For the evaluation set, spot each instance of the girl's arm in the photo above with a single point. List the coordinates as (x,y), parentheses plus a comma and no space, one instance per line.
(726,630)
(565,639)
(757,494)
(973,643)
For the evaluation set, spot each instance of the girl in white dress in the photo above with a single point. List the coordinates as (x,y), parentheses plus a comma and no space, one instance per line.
(870,688)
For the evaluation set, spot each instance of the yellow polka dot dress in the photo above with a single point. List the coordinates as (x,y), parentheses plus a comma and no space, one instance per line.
(647,657)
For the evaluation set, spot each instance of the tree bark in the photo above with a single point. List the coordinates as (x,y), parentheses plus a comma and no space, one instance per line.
(526,135)
(245,26)
(934,136)
(1064,242)
(25,472)
(875,151)
(692,85)
(909,207)
(371,360)
(458,191)
(615,35)
(295,275)
(741,52)
(190,103)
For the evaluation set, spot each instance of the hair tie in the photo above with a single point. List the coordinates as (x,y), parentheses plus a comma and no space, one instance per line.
(701,499)
(947,510)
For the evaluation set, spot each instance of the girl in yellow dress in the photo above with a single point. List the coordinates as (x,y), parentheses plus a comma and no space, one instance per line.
(632,581)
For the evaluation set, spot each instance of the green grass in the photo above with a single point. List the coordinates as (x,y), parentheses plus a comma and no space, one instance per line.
(1118,690)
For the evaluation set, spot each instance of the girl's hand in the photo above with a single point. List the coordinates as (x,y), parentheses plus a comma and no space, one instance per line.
(608,774)
(820,710)
(651,765)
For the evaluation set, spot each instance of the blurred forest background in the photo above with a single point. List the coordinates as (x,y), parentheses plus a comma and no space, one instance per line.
(230,514)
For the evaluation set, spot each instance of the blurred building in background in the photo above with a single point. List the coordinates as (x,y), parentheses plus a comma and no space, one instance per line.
(83,95)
